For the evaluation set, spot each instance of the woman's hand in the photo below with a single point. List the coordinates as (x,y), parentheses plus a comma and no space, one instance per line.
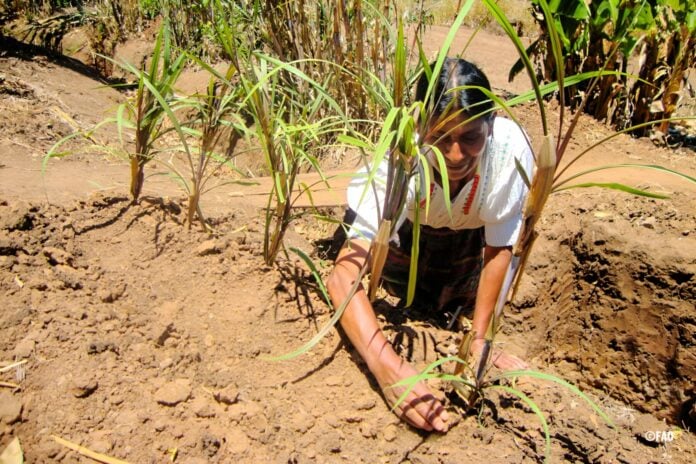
(420,408)
(496,261)
(500,359)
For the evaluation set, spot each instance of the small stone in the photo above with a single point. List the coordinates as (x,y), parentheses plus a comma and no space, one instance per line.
(20,218)
(10,408)
(628,443)
(166,363)
(100,346)
(209,247)
(111,294)
(201,408)
(210,444)
(69,276)
(367,431)
(127,417)
(390,432)
(236,412)
(251,410)
(161,332)
(485,435)
(173,393)
(351,417)
(334,381)
(51,450)
(365,404)
(100,441)
(83,386)
(144,415)
(330,442)
(24,348)
(77,313)
(160,425)
(648,223)
(178,430)
(57,256)
(237,441)
(228,395)
(302,422)
(332,420)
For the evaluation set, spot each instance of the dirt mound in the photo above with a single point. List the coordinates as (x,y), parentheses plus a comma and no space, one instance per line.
(617,306)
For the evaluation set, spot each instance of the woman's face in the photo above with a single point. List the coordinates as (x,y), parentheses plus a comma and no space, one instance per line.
(461,144)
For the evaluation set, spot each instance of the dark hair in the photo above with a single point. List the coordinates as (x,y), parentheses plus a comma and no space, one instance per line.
(456,72)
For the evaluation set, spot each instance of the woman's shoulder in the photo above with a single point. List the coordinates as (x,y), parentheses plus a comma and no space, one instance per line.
(507,130)
(508,141)
(508,149)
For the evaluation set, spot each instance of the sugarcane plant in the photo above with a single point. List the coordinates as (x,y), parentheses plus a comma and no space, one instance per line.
(146,115)
(208,137)
(199,133)
(147,112)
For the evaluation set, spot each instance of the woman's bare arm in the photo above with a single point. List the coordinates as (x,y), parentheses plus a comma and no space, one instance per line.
(421,409)
(495,264)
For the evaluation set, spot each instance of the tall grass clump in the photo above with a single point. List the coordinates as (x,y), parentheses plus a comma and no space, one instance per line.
(146,117)
(289,130)
(658,35)
(303,72)
(148,111)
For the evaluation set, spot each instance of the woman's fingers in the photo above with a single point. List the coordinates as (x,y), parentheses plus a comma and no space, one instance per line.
(500,359)
(508,362)
(422,410)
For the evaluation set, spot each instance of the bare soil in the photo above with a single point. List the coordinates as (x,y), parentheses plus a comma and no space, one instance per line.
(149,341)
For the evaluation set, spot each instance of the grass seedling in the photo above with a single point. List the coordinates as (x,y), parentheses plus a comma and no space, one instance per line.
(147,112)
(215,118)
(475,392)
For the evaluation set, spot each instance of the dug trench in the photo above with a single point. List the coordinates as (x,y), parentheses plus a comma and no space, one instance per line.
(612,296)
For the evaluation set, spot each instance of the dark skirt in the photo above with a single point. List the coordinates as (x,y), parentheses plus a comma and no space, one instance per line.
(449,267)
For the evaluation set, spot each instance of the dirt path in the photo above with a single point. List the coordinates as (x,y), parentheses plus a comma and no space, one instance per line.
(147,341)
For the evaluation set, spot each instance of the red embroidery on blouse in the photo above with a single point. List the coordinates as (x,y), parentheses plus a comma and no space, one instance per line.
(472,194)
(432,188)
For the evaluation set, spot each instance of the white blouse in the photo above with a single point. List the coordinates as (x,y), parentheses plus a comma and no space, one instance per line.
(493,198)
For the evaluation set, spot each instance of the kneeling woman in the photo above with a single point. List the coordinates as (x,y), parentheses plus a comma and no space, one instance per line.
(462,258)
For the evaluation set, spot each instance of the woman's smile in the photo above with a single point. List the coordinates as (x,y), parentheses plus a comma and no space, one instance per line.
(461,144)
